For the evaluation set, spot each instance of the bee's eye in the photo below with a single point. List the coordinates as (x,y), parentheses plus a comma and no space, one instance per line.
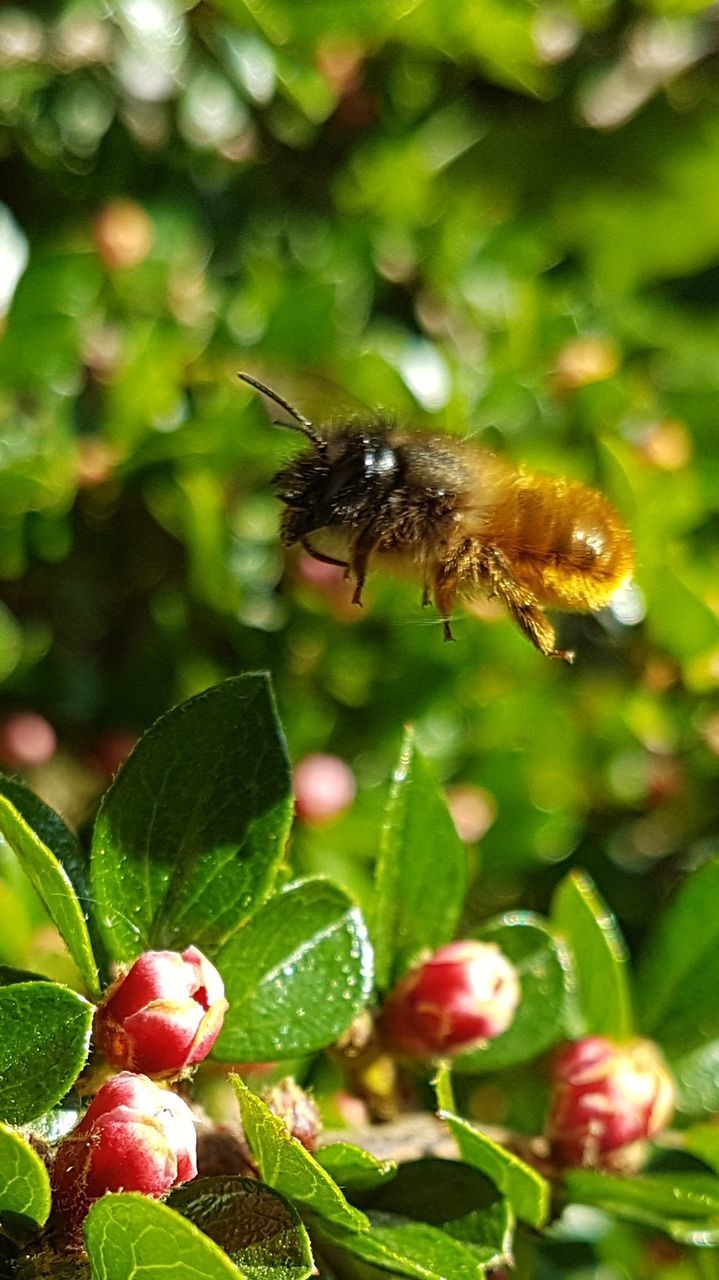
(380,461)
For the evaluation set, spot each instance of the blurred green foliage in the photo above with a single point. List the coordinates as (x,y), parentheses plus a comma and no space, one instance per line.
(493,218)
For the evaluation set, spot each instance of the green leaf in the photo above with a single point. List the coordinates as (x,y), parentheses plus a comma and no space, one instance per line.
(431,1206)
(190,835)
(696,1074)
(443,1088)
(527,1191)
(47,875)
(295,975)
(684,947)
(702,1141)
(677,991)
(548,985)
(286,1166)
(24,1181)
(44,1041)
(683,1206)
(600,956)
(402,1248)
(353,1168)
(259,1230)
(131,1235)
(9,977)
(50,828)
(421,876)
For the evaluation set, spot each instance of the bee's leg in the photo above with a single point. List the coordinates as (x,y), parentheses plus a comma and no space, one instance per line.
(521,604)
(319,555)
(360,552)
(426,583)
(445,594)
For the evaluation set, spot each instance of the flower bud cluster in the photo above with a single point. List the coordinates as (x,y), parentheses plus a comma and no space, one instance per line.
(159,1019)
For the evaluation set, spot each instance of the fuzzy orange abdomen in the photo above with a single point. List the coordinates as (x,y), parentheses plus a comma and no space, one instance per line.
(565,542)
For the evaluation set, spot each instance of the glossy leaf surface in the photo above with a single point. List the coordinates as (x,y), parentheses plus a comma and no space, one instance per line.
(421,876)
(27,825)
(285,1164)
(129,1234)
(600,956)
(295,975)
(191,832)
(24,1181)
(44,1042)
(256,1227)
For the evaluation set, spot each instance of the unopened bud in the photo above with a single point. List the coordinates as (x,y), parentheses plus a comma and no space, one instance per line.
(26,740)
(164,1015)
(466,993)
(607,1096)
(324,787)
(298,1110)
(134,1136)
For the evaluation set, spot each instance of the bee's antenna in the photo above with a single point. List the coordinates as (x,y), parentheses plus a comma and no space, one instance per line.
(303,424)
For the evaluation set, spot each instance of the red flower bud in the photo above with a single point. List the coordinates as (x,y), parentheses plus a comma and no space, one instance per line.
(164,1015)
(606,1096)
(324,787)
(298,1110)
(465,993)
(26,740)
(134,1136)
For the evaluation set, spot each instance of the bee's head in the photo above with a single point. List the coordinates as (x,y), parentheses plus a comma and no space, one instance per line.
(342,485)
(340,481)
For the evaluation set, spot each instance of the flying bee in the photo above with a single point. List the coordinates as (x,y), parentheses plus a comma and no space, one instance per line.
(465,519)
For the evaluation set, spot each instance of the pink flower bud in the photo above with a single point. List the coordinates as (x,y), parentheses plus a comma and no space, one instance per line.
(606,1096)
(26,740)
(134,1136)
(465,993)
(324,787)
(164,1015)
(298,1110)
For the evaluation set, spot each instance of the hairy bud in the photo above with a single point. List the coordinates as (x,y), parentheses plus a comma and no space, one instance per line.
(164,1015)
(134,1136)
(467,992)
(298,1110)
(607,1096)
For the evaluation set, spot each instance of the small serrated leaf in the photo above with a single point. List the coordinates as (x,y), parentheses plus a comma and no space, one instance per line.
(131,1235)
(50,880)
(421,871)
(681,1205)
(439,1215)
(24,1181)
(527,1191)
(600,956)
(259,1230)
(443,1088)
(677,989)
(414,1249)
(353,1168)
(295,976)
(190,835)
(44,1041)
(285,1164)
